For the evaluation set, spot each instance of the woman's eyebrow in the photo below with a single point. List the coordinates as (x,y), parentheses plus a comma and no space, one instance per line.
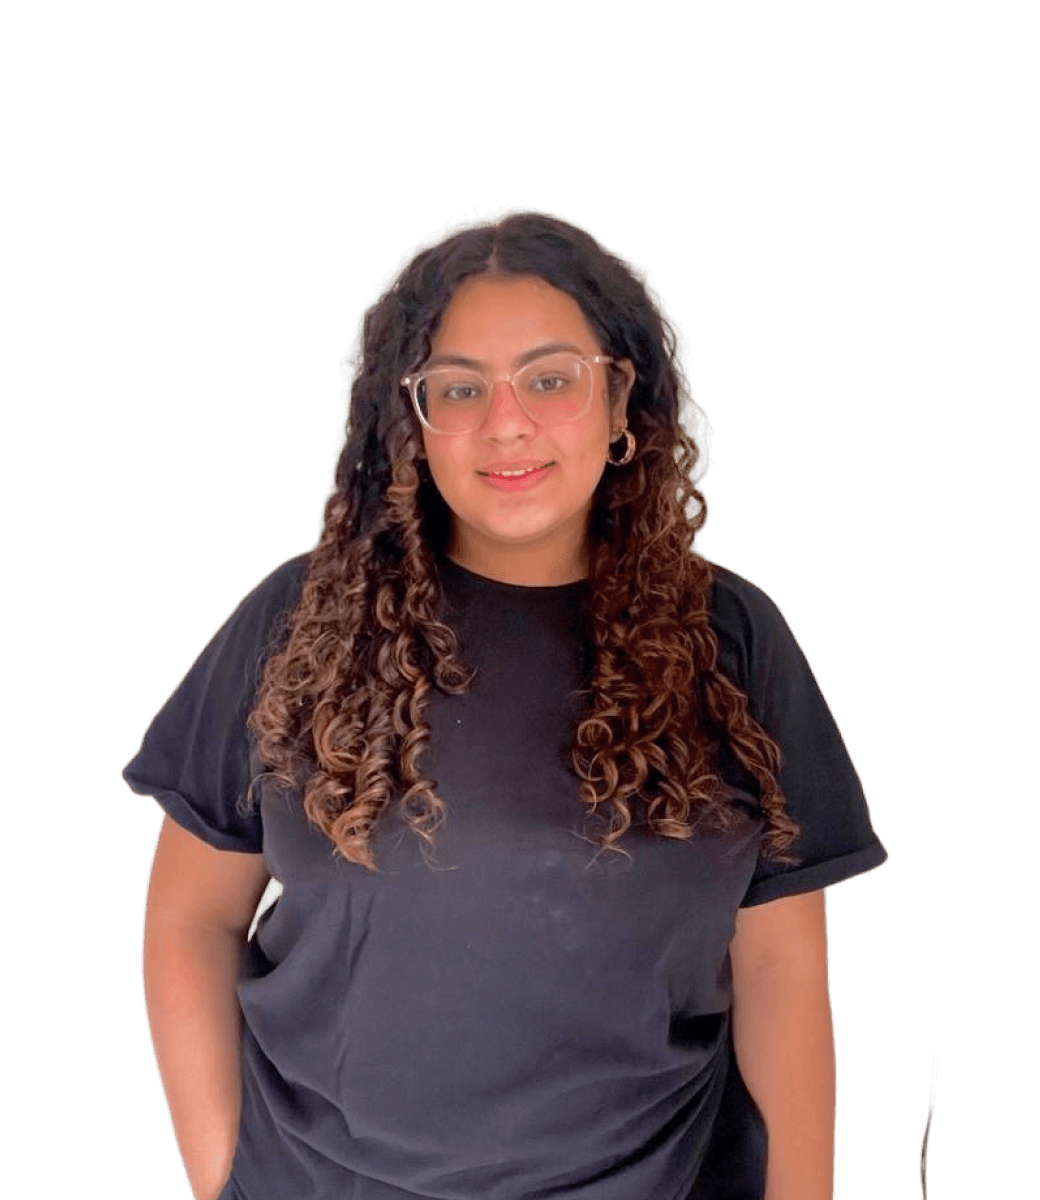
(458,360)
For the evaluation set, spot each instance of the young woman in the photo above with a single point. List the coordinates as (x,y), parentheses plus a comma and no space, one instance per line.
(552,800)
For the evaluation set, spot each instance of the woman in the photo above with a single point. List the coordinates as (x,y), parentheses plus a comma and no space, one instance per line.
(552,800)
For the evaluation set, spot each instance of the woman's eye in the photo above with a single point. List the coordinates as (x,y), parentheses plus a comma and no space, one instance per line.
(460,393)
(549,383)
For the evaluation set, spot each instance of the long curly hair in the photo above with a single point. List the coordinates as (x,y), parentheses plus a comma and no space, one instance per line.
(339,712)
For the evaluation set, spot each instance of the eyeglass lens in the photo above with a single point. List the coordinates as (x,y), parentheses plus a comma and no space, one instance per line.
(553,390)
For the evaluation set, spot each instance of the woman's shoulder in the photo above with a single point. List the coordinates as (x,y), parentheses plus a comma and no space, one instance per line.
(279,589)
(739,605)
(261,616)
(750,627)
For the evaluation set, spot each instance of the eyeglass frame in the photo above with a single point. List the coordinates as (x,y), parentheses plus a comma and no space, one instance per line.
(411,383)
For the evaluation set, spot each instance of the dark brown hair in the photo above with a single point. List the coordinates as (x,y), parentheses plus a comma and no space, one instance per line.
(339,712)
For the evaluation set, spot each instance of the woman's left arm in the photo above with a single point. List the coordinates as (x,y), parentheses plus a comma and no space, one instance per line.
(784,1040)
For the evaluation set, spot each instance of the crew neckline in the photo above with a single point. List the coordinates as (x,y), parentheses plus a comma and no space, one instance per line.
(497,585)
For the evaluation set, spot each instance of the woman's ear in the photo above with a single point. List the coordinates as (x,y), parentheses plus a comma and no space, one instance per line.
(623,382)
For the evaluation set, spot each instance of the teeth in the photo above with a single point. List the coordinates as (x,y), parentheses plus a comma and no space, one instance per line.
(514,474)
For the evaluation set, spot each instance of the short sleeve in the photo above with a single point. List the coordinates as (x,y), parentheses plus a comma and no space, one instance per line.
(758,652)
(194,758)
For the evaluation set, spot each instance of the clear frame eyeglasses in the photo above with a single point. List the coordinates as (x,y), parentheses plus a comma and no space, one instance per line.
(553,390)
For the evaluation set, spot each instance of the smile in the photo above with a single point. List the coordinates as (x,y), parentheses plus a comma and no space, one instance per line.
(523,479)
(513,474)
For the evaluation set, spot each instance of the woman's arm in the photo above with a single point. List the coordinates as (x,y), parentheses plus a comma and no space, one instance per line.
(200,904)
(190,977)
(784,1039)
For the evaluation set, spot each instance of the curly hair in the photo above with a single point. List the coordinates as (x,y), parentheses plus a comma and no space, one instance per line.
(339,709)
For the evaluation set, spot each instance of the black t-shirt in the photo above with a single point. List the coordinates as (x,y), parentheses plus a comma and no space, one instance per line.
(522,1019)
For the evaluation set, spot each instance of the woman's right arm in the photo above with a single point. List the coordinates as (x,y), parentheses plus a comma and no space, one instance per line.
(201,902)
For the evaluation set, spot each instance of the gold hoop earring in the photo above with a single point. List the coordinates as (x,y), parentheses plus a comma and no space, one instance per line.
(630,447)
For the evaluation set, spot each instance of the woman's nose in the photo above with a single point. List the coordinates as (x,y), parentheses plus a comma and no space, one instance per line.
(504,413)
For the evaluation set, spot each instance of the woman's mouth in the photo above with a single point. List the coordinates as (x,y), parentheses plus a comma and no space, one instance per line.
(515,472)
(515,479)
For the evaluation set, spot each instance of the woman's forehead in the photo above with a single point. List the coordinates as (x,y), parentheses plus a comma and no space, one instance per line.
(504,312)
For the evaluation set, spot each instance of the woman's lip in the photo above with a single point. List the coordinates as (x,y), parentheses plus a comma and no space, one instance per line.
(518,467)
(516,483)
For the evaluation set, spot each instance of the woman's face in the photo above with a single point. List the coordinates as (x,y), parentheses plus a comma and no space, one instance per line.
(534,534)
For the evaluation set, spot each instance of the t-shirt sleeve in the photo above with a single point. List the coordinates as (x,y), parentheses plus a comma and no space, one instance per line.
(194,758)
(758,652)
